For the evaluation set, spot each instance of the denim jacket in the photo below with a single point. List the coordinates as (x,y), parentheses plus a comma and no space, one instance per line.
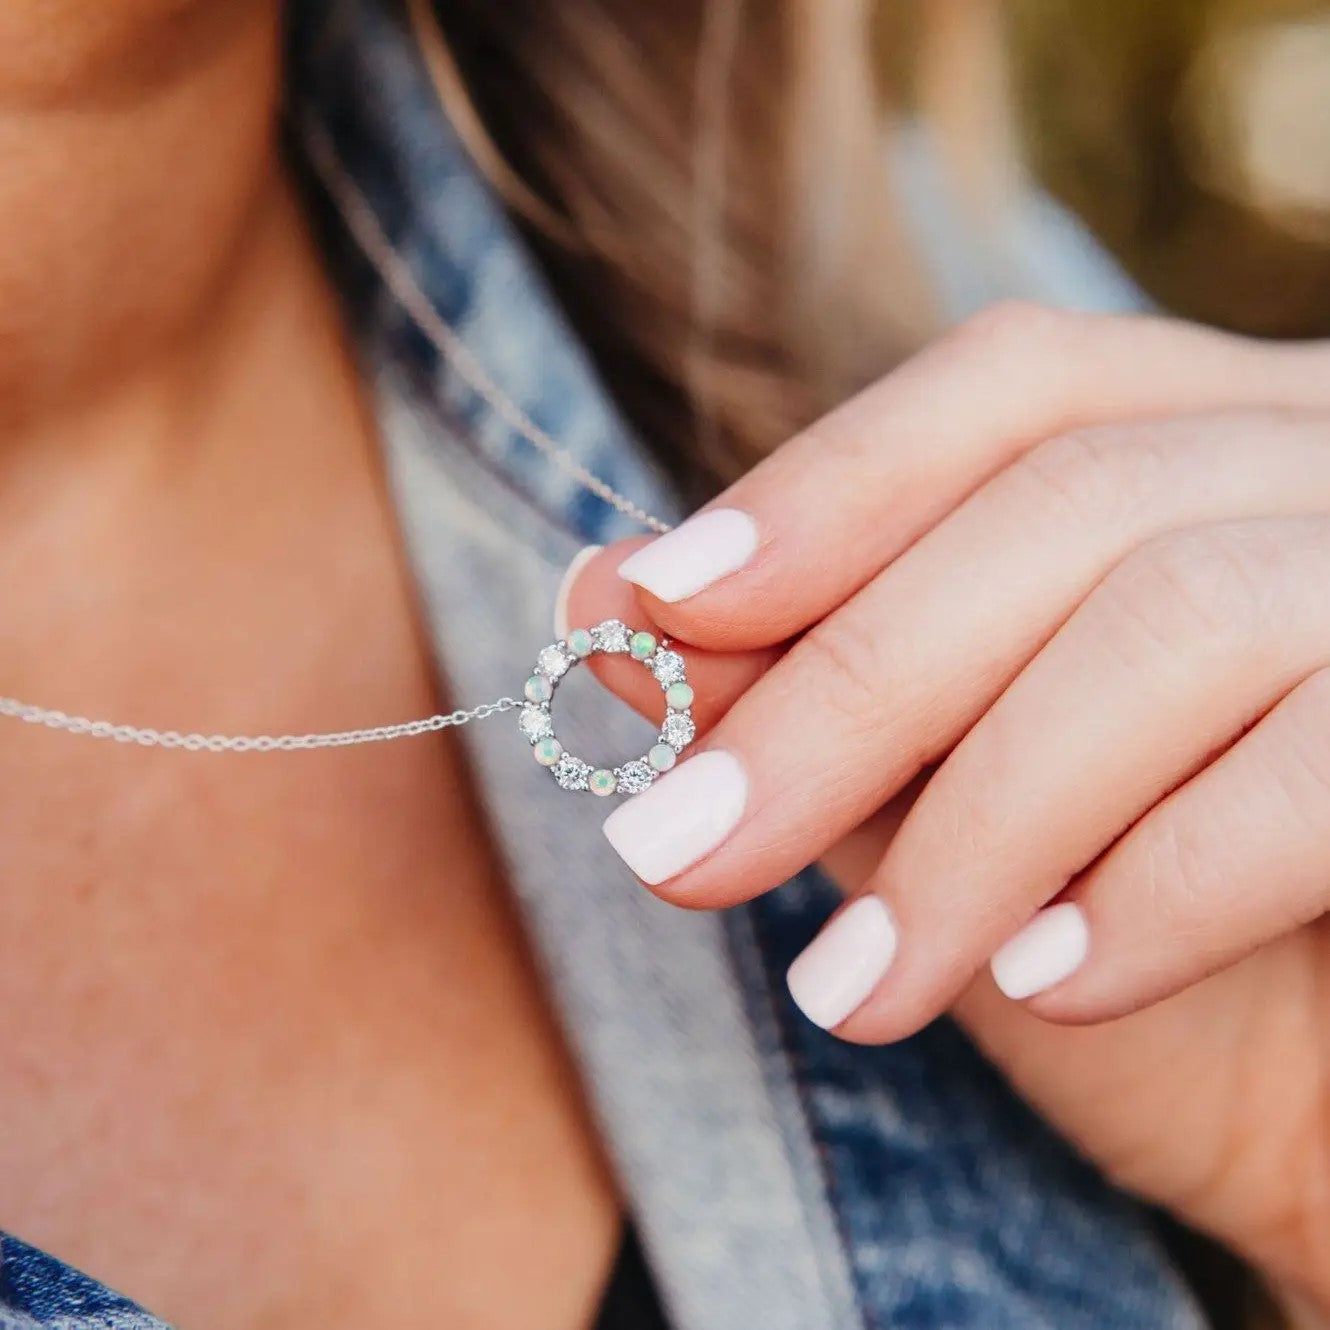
(780,1179)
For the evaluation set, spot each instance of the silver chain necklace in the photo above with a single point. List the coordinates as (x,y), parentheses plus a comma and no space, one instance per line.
(536,722)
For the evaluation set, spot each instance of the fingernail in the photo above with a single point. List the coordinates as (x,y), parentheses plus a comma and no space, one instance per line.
(680,818)
(694,555)
(580,561)
(1049,948)
(841,966)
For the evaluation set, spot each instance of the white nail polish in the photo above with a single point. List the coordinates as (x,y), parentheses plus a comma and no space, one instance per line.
(841,966)
(580,561)
(695,554)
(681,818)
(1049,948)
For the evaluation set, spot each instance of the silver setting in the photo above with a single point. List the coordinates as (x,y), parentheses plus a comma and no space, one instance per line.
(536,721)
(611,636)
(678,730)
(554,661)
(668,667)
(571,773)
(634,776)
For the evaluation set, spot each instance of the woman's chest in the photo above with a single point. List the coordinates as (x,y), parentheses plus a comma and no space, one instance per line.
(271,1048)
(272,1053)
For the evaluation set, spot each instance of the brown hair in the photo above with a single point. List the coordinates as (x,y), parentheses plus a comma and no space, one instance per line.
(703,183)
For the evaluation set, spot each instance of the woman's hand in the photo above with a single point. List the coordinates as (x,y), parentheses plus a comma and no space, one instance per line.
(1081,566)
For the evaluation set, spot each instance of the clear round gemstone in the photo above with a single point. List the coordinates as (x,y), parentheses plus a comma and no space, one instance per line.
(679,696)
(553,661)
(547,752)
(611,636)
(678,730)
(538,689)
(603,781)
(536,723)
(580,643)
(636,775)
(667,666)
(641,645)
(662,757)
(571,772)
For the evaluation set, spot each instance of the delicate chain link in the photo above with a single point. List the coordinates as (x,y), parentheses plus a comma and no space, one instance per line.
(369,235)
(244,743)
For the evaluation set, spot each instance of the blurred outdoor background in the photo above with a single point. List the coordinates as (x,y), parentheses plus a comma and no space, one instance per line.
(1191,138)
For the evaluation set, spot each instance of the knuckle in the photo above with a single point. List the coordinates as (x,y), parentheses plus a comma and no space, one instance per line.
(1203,591)
(963,814)
(1006,323)
(1099,474)
(1299,756)
(851,669)
(1177,873)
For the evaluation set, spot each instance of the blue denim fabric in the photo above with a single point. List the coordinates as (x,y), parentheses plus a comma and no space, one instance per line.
(781,1180)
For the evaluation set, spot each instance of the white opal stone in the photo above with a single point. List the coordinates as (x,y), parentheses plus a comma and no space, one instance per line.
(662,757)
(538,689)
(679,696)
(547,752)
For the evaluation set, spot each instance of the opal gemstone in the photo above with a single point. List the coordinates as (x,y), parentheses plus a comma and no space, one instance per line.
(547,752)
(581,643)
(662,757)
(538,689)
(603,781)
(679,696)
(641,645)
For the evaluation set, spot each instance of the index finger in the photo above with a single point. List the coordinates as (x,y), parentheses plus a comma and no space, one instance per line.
(817,520)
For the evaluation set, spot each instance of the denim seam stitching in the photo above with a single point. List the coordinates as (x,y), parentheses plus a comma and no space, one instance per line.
(764,1012)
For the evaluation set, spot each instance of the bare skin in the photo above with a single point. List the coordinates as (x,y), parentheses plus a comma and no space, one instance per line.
(271,1051)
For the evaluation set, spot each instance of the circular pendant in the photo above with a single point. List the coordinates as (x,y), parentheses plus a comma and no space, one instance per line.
(613,638)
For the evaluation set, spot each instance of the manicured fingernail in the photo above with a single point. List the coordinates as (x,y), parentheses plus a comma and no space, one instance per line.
(841,966)
(1043,953)
(580,561)
(695,554)
(682,817)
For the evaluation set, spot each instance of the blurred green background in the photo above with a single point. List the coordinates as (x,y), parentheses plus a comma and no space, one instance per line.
(1191,136)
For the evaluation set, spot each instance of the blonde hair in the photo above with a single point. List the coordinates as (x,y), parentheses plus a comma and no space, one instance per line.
(704,183)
